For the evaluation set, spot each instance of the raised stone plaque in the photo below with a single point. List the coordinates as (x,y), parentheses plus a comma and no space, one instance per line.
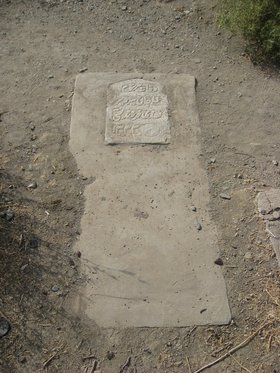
(137,113)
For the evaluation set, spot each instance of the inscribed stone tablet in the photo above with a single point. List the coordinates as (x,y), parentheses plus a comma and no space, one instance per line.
(137,113)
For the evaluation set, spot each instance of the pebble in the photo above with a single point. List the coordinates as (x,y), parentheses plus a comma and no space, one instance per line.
(124,7)
(55,288)
(193,208)
(82,70)
(275,162)
(5,327)
(248,255)
(198,226)
(262,211)
(22,360)
(225,196)
(276,215)
(110,355)
(9,215)
(32,185)
(219,262)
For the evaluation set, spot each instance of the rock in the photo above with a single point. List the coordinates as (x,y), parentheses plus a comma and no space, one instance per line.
(276,215)
(79,254)
(22,360)
(110,355)
(124,7)
(225,196)
(33,243)
(9,215)
(248,255)
(198,226)
(83,69)
(32,185)
(275,162)
(5,327)
(193,208)
(55,288)
(219,262)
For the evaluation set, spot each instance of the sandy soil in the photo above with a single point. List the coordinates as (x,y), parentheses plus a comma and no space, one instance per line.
(44,44)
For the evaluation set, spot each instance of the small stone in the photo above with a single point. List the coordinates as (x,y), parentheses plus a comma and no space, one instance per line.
(198,226)
(276,215)
(22,268)
(110,355)
(33,137)
(178,363)
(32,185)
(124,7)
(83,69)
(33,243)
(248,255)
(225,196)
(262,211)
(9,215)
(5,327)
(55,288)
(193,208)
(219,262)
(79,254)
(213,160)
(50,77)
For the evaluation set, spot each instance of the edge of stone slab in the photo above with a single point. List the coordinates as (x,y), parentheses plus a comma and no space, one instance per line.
(123,75)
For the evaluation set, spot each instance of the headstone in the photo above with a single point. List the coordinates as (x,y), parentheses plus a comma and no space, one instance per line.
(137,112)
(145,262)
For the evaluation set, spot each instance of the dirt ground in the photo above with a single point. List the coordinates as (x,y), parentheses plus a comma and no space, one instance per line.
(44,44)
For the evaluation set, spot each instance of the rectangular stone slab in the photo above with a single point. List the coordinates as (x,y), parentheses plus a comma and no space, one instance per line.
(137,112)
(145,260)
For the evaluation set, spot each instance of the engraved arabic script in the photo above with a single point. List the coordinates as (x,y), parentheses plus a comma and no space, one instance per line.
(137,112)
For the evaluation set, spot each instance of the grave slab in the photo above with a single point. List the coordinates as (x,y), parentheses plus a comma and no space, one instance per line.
(148,259)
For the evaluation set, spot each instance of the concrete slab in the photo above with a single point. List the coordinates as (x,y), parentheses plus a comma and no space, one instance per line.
(269,208)
(145,256)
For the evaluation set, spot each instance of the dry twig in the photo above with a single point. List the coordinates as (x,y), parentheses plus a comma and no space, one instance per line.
(126,364)
(242,366)
(234,349)
(47,362)
(189,365)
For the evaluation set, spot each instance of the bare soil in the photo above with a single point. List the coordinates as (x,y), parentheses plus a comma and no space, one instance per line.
(44,45)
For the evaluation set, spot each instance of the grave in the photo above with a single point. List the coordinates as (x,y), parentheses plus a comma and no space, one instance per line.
(147,257)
